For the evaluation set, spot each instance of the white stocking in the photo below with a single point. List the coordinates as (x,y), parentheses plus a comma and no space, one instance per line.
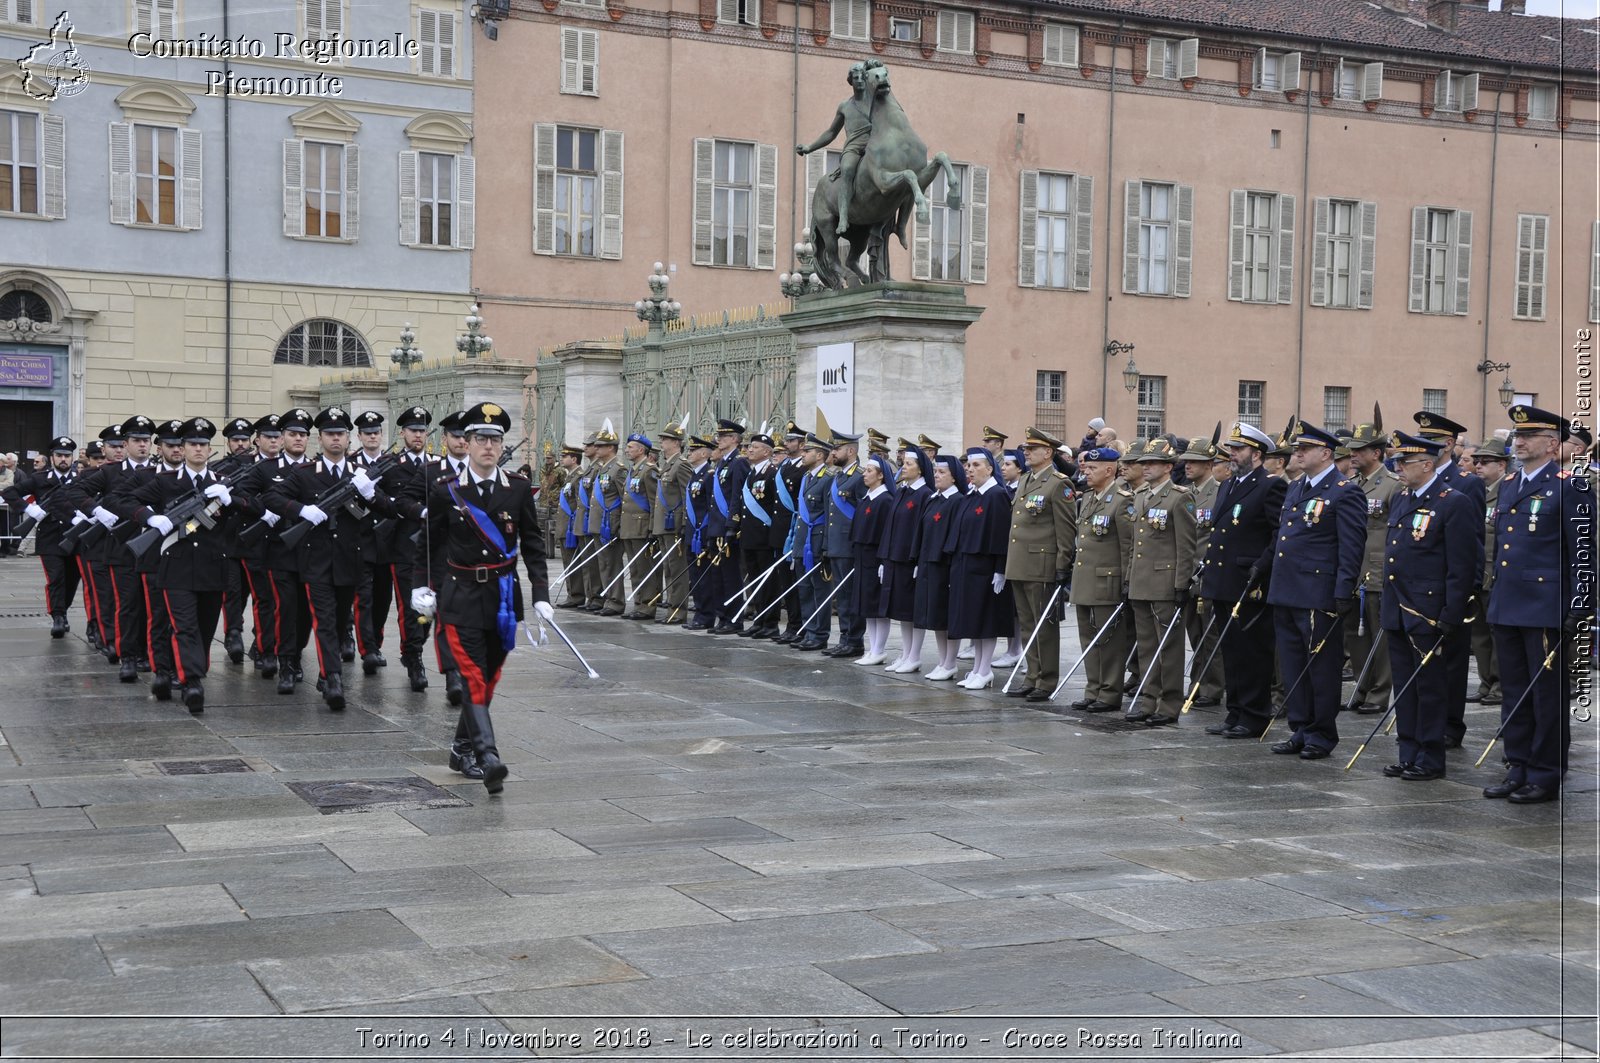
(878,633)
(982,654)
(911,642)
(947,649)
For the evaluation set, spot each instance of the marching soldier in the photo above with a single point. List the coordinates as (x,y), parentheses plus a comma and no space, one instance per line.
(605,509)
(1490,459)
(1543,595)
(1235,576)
(92,492)
(1039,560)
(449,463)
(1102,552)
(729,469)
(1362,624)
(1322,534)
(96,558)
(667,521)
(1198,462)
(640,487)
(406,483)
(190,577)
(236,434)
(480,523)
(255,556)
(42,497)
(1164,532)
(844,491)
(1431,566)
(377,579)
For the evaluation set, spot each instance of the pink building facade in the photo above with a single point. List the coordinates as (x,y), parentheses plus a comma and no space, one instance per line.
(1282,212)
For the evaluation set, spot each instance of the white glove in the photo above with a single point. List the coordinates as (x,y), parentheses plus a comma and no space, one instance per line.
(364,485)
(880,573)
(424,514)
(221,493)
(36,511)
(160,524)
(271,518)
(313,514)
(545,610)
(78,518)
(105,516)
(914,570)
(423,601)
(999,581)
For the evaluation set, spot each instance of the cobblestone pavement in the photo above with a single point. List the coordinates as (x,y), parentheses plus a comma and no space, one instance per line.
(763,840)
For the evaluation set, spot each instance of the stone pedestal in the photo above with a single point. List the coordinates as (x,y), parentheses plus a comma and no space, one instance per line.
(910,356)
(580,385)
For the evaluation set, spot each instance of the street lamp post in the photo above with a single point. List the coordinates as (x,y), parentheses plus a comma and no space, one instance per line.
(408,353)
(804,280)
(658,309)
(1506,391)
(474,343)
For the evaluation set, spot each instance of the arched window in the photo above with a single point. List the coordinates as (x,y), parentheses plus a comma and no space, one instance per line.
(20,303)
(323,342)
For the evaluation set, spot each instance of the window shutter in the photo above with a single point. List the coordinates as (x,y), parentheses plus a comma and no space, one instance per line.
(728,11)
(53,142)
(190,201)
(428,42)
(1238,202)
(1183,249)
(1284,208)
(1541,226)
(544,188)
(921,250)
(1321,222)
(167,17)
(816,170)
(1289,72)
(964,31)
(294,209)
(978,225)
(143,16)
(447,44)
(1372,82)
(1419,254)
(1441,91)
(766,205)
(1060,44)
(611,193)
(1083,231)
(1469,93)
(1155,58)
(1260,79)
(333,18)
(1524,280)
(570,59)
(313,19)
(860,19)
(1594,272)
(705,161)
(1130,238)
(1369,254)
(121,173)
(351,221)
(589,63)
(1027,229)
(408,198)
(466,202)
(1189,57)
(1461,249)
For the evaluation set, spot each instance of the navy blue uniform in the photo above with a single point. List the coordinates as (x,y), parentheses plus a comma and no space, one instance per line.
(722,532)
(1246,518)
(845,491)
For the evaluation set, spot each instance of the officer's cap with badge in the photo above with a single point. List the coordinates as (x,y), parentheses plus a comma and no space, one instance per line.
(371,421)
(924,441)
(137,427)
(568,450)
(414,417)
(198,430)
(843,439)
(296,420)
(169,431)
(1525,418)
(1492,449)
(451,424)
(701,443)
(1369,435)
(1437,426)
(1099,454)
(906,444)
(63,445)
(1157,449)
(727,426)
(270,425)
(672,430)
(994,435)
(1033,437)
(816,442)
(793,431)
(1309,435)
(486,419)
(113,434)
(1200,449)
(333,419)
(1248,435)
(641,439)
(877,442)
(1407,446)
(94,449)
(238,428)
(607,436)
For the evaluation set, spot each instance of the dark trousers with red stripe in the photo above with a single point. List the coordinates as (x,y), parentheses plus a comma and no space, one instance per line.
(294,613)
(479,653)
(264,608)
(87,583)
(234,597)
(60,582)
(132,627)
(104,589)
(372,606)
(158,628)
(331,607)
(413,632)
(192,624)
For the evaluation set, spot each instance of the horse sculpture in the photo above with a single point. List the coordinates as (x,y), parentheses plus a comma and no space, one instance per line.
(893,173)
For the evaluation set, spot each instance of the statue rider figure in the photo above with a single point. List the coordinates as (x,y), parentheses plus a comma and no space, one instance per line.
(854,116)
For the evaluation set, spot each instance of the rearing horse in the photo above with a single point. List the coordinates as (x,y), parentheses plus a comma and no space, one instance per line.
(894,172)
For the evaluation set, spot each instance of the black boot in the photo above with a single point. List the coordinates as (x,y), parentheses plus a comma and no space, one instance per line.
(454,688)
(92,634)
(494,772)
(299,672)
(233,642)
(418,676)
(333,691)
(142,664)
(58,626)
(194,696)
(127,673)
(465,760)
(347,648)
(266,665)
(161,687)
(285,675)
(371,662)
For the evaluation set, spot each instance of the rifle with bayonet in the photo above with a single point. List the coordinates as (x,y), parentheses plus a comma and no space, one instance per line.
(188,515)
(342,495)
(25,529)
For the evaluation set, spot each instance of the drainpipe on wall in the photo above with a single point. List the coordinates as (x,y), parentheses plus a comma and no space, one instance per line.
(227,229)
(1111,214)
(1488,278)
(796,174)
(1307,220)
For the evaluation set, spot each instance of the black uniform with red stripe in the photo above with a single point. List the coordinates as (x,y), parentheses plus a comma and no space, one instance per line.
(329,558)
(121,594)
(189,576)
(443,467)
(391,557)
(283,616)
(61,575)
(465,568)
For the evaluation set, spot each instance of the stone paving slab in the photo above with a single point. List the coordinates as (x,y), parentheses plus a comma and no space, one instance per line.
(1494,929)
(661,867)
(760,943)
(36,820)
(493,818)
(214,990)
(1508,985)
(789,989)
(267,897)
(557,915)
(190,869)
(230,834)
(975,923)
(1187,905)
(832,891)
(78,959)
(183,948)
(841,854)
(390,854)
(677,834)
(141,813)
(70,914)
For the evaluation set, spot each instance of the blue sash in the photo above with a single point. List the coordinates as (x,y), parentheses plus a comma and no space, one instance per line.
(752,506)
(694,521)
(716,491)
(845,507)
(566,507)
(506,616)
(583,500)
(661,500)
(638,499)
(606,534)
(807,557)
(784,498)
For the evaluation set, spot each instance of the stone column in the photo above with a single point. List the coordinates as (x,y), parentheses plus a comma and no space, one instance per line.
(910,355)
